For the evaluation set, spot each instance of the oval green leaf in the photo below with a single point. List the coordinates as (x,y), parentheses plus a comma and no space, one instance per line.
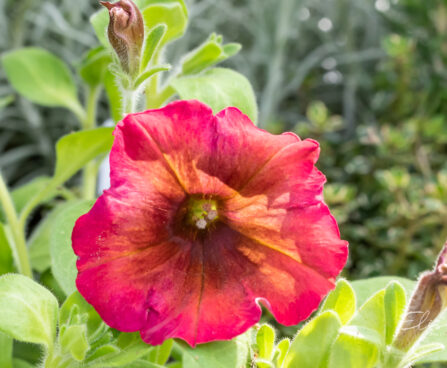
(209,53)
(42,78)
(172,14)
(74,150)
(28,311)
(351,351)
(219,354)
(219,88)
(265,339)
(63,259)
(311,347)
(394,305)
(341,300)
(39,242)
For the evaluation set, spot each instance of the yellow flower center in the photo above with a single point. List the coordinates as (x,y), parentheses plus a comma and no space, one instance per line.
(201,212)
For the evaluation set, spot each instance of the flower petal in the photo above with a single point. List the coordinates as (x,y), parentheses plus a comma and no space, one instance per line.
(274,240)
(207,154)
(119,287)
(289,289)
(282,207)
(242,149)
(182,136)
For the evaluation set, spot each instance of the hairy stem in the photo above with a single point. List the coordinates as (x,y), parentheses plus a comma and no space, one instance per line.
(90,170)
(18,245)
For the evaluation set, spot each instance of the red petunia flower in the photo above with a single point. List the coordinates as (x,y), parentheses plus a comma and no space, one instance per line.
(206,216)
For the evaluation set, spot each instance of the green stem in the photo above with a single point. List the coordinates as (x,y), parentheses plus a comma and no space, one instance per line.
(17,231)
(55,360)
(159,99)
(130,99)
(92,99)
(152,86)
(89,173)
(90,170)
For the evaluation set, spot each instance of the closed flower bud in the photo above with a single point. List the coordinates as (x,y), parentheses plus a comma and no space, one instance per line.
(126,33)
(427,302)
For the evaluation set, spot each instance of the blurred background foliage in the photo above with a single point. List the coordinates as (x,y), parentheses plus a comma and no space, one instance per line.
(366,78)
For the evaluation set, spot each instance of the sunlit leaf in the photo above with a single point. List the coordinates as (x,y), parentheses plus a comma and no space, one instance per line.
(219,88)
(28,311)
(312,345)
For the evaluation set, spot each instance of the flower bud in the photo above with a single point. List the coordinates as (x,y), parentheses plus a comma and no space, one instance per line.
(428,300)
(126,33)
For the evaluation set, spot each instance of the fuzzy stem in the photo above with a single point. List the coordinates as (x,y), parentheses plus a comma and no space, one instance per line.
(18,245)
(90,170)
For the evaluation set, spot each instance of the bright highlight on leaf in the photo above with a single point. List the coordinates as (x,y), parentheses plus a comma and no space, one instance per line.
(219,88)
(28,311)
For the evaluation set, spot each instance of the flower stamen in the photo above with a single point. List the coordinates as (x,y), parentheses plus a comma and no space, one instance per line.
(201,213)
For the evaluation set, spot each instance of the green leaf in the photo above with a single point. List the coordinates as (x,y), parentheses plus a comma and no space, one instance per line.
(5,351)
(435,335)
(28,311)
(47,279)
(100,354)
(394,305)
(219,354)
(364,289)
(208,54)
(265,340)
(114,96)
(42,78)
(39,242)
(76,310)
(144,77)
(29,352)
(160,354)
(63,259)
(143,364)
(421,354)
(172,14)
(219,88)
(74,150)
(19,363)
(94,66)
(152,43)
(370,319)
(311,347)
(351,351)
(131,348)
(341,300)
(281,352)
(22,195)
(6,259)
(73,339)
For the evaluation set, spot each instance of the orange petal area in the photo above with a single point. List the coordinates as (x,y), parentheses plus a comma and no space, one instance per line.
(282,209)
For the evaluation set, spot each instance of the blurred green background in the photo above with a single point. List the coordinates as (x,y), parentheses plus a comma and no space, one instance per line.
(367,79)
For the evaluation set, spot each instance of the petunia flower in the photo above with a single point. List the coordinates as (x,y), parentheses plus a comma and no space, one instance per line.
(206,218)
